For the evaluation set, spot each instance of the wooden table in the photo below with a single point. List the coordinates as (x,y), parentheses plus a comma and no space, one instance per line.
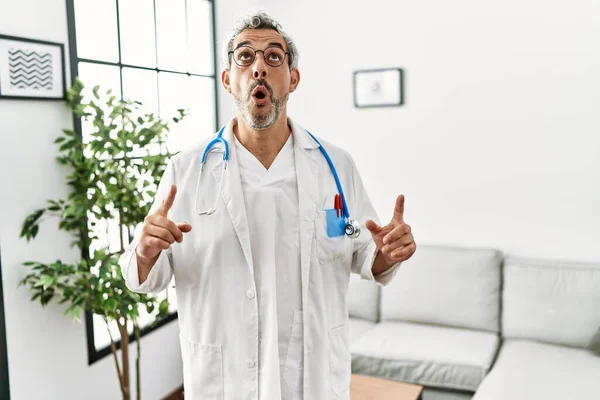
(369,388)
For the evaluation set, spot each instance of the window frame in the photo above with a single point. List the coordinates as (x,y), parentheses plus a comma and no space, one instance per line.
(93,354)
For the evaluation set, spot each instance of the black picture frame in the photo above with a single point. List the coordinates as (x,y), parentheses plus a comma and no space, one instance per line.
(37,66)
(4,383)
(394,96)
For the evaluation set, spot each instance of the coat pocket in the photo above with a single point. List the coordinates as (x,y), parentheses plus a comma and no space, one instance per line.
(339,359)
(292,372)
(202,370)
(329,248)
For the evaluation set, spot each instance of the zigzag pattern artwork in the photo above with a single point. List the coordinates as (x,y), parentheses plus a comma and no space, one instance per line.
(30,69)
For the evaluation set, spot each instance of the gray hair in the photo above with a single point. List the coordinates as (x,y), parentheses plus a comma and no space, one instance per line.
(261,20)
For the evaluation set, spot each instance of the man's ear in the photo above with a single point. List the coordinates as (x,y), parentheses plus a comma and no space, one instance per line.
(294,79)
(225,80)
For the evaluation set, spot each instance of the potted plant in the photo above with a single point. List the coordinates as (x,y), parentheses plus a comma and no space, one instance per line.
(113,178)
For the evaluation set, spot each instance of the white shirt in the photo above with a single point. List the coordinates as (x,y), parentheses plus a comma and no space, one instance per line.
(271,200)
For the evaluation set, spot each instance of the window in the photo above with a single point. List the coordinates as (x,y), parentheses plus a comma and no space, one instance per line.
(158,52)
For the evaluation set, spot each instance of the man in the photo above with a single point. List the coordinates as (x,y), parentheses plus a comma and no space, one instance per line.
(262,281)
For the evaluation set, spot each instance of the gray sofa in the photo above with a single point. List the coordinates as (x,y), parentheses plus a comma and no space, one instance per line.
(468,323)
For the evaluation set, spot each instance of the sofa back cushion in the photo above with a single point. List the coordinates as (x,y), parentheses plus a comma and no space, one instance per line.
(551,301)
(363,298)
(452,286)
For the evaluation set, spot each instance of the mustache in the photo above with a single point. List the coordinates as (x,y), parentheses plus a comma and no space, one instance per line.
(260,82)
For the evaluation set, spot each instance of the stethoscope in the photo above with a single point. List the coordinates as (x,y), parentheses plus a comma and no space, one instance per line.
(351,229)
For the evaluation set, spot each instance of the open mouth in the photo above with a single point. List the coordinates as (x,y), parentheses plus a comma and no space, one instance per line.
(260,92)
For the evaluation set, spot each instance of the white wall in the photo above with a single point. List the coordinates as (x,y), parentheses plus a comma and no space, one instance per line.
(47,353)
(498,143)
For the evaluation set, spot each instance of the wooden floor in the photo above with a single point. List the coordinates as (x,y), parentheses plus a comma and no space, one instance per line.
(371,388)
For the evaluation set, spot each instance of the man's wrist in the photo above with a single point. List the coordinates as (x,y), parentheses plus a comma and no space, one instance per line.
(144,266)
(381,264)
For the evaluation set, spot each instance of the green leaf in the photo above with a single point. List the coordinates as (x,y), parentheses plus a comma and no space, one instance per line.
(30,223)
(46,297)
(45,282)
(111,304)
(163,308)
(75,313)
(149,308)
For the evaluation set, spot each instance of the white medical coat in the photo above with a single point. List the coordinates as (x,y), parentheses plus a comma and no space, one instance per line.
(214,273)
(271,199)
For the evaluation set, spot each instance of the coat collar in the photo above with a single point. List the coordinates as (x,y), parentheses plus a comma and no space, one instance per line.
(301,136)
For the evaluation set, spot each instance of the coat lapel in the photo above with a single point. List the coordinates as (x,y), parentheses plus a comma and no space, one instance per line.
(305,153)
(233,196)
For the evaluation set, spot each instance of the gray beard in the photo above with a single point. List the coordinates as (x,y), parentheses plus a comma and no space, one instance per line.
(260,122)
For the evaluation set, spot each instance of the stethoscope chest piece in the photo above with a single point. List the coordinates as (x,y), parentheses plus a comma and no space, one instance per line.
(352,229)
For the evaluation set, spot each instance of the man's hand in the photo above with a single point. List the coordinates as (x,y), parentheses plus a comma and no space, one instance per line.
(158,233)
(394,241)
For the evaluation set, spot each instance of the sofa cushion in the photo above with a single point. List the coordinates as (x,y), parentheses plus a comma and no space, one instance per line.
(358,327)
(363,298)
(429,355)
(453,286)
(528,370)
(550,301)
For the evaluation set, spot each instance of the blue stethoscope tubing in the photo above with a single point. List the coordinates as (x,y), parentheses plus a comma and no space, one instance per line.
(351,229)
(208,149)
(335,176)
(218,139)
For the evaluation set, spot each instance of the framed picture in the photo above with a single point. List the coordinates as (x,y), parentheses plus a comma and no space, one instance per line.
(31,69)
(378,88)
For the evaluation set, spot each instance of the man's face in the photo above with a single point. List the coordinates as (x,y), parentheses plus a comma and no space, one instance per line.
(260,90)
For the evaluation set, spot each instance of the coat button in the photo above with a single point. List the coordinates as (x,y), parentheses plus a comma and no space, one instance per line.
(250,294)
(250,363)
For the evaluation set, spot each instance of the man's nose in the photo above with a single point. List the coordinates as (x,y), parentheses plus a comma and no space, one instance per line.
(259,68)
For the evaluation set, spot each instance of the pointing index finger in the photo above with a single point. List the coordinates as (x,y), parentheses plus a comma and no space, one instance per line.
(399,209)
(168,201)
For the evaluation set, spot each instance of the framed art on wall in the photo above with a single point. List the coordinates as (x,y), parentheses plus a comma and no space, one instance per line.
(379,88)
(31,69)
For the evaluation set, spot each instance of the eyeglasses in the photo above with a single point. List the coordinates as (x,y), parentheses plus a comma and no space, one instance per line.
(244,56)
